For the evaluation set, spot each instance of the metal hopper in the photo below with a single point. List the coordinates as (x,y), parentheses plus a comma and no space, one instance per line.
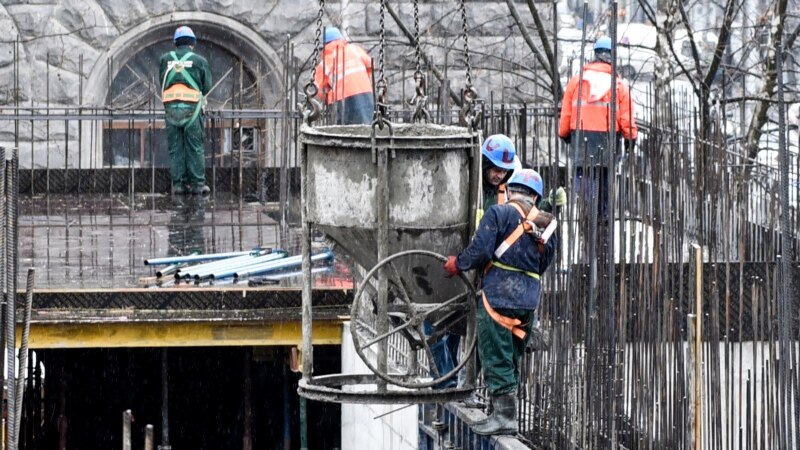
(377,193)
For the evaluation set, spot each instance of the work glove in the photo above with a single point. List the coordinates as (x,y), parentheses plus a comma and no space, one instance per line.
(630,144)
(451,267)
(558,197)
(567,139)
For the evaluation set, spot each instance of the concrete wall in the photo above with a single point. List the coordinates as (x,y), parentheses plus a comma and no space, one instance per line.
(360,430)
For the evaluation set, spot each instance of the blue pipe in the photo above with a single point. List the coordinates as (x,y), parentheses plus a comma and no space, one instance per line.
(282,264)
(195,258)
(229,271)
(216,265)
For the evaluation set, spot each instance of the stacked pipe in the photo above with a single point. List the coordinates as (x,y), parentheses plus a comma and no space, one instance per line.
(218,266)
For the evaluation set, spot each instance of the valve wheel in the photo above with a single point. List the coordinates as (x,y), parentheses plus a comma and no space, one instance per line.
(411,327)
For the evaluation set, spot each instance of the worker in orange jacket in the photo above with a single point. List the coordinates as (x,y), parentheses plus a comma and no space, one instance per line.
(343,80)
(594,113)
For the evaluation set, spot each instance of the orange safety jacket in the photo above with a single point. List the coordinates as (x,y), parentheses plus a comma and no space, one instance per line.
(595,103)
(344,71)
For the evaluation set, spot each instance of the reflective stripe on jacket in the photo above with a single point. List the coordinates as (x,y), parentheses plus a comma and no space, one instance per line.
(595,103)
(181,92)
(344,71)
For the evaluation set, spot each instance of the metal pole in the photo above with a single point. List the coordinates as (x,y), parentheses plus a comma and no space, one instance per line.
(287,420)
(382,205)
(23,353)
(164,401)
(305,241)
(785,258)
(247,443)
(303,424)
(10,234)
(126,430)
(148,437)
(3,286)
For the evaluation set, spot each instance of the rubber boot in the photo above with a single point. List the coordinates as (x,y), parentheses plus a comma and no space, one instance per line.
(201,190)
(473,401)
(504,418)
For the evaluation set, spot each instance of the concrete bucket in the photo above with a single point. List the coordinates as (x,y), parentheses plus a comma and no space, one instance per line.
(394,201)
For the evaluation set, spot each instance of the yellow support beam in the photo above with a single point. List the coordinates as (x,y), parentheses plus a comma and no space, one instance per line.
(178,334)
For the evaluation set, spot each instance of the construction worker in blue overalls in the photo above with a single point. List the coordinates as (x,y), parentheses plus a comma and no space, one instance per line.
(185,81)
(513,246)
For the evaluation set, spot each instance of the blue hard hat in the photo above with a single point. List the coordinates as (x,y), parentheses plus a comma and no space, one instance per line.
(499,149)
(183,32)
(332,34)
(603,44)
(528,178)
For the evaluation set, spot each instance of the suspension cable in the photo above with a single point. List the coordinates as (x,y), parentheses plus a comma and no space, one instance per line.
(468,116)
(313,106)
(381,103)
(420,99)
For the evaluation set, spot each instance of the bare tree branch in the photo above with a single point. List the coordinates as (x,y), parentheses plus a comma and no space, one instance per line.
(690,34)
(759,117)
(548,51)
(528,39)
(413,42)
(722,42)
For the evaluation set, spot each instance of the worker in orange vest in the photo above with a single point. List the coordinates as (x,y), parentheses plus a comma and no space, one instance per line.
(513,245)
(185,81)
(593,109)
(343,80)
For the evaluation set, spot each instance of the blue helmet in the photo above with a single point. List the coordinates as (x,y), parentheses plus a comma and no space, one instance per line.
(603,44)
(332,34)
(528,178)
(183,32)
(500,151)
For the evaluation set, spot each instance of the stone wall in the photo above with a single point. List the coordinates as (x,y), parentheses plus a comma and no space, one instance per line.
(66,48)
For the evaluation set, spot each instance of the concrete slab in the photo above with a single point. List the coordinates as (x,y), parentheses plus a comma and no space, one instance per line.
(101,241)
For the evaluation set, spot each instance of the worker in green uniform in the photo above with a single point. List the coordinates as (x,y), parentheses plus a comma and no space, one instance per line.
(185,81)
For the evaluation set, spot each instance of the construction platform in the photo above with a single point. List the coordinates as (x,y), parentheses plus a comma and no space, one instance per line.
(92,288)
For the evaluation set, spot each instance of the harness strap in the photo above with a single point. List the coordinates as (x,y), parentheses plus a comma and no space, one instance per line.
(533,275)
(513,325)
(526,225)
(170,75)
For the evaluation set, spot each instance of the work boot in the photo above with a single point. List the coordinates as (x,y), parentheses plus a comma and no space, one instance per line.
(201,189)
(504,418)
(473,401)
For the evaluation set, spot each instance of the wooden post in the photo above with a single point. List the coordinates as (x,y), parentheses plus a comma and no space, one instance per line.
(694,327)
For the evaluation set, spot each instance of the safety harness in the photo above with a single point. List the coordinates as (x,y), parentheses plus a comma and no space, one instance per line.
(514,325)
(179,91)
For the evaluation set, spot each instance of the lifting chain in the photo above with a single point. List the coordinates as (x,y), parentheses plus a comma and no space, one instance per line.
(313,107)
(420,99)
(469,116)
(381,102)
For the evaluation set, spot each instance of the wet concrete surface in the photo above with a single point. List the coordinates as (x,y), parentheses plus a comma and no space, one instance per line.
(101,241)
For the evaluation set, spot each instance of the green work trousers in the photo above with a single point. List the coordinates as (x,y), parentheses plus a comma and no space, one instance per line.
(186,149)
(499,350)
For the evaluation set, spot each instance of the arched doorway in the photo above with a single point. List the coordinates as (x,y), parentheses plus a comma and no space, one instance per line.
(245,68)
